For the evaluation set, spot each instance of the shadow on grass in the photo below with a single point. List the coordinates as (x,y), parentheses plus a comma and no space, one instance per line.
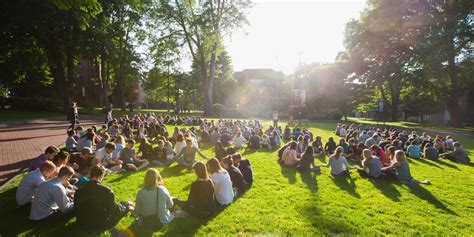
(441,162)
(387,188)
(289,173)
(309,178)
(346,183)
(171,171)
(425,161)
(327,224)
(426,195)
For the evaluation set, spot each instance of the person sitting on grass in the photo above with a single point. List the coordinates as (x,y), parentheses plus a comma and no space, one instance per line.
(238,183)
(153,205)
(374,140)
(431,152)
(239,140)
(330,146)
(161,155)
(29,183)
(95,205)
(380,153)
(459,154)
(222,184)
(413,150)
(71,143)
(51,198)
(400,168)
(254,141)
(307,161)
(103,157)
(371,165)
(337,163)
(119,145)
(129,158)
(318,147)
(49,154)
(300,146)
(363,137)
(439,145)
(220,150)
(103,140)
(88,142)
(201,201)
(146,149)
(187,156)
(275,140)
(344,145)
(244,166)
(290,156)
(266,141)
(180,143)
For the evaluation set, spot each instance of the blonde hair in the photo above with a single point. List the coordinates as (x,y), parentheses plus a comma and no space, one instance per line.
(213,166)
(400,156)
(339,150)
(153,179)
(367,154)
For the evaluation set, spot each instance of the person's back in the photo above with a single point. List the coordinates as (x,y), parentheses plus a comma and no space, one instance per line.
(146,202)
(431,153)
(246,169)
(27,187)
(374,166)
(223,187)
(237,178)
(402,172)
(413,151)
(337,164)
(201,197)
(50,196)
(254,142)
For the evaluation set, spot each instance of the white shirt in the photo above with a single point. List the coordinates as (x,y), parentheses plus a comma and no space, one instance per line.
(178,146)
(337,165)
(116,152)
(103,156)
(239,141)
(222,187)
(50,196)
(27,187)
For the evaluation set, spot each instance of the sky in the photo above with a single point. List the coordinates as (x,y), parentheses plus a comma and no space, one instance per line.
(282,34)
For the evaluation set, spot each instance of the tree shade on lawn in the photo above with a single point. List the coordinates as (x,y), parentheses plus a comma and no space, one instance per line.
(283,201)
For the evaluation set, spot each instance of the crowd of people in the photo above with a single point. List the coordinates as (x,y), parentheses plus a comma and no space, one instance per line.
(380,152)
(69,181)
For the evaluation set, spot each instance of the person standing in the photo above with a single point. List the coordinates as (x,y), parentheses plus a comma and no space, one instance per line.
(275,119)
(108,113)
(73,116)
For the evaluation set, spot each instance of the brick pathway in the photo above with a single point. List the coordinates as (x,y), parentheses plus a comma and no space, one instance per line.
(19,143)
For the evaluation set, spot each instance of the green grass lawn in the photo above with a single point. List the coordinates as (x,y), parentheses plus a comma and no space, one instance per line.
(285,202)
(405,124)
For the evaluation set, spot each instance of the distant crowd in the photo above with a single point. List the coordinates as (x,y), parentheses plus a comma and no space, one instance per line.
(68,182)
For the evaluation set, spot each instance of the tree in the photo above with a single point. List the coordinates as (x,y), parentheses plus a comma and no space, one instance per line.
(201,25)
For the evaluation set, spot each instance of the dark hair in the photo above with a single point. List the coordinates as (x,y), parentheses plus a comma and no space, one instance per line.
(200,170)
(227,160)
(110,145)
(65,170)
(293,145)
(86,149)
(63,155)
(70,132)
(213,165)
(131,141)
(97,171)
(236,156)
(51,150)
(309,150)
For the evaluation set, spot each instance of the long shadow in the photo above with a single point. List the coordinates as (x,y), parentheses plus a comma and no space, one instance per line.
(123,176)
(25,138)
(289,173)
(426,195)
(309,178)
(327,224)
(424,161)
(447,164)
(346,183)
(171,171)
(387,188)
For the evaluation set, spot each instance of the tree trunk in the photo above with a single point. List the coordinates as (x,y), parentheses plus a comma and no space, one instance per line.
(104,74)
(210,82)
(59,73)
(70,74)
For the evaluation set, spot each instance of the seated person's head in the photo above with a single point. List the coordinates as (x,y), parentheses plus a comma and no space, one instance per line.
(86,152)
(109,147)
(227,162)
(200,170)
(47,169)
(71,133)
(236,158)
(61,159)
(105,137)
(153,179)
(130,143)
(213,166)
(457,144)
(51,152)
(189,142)
(97,172)
(161,144)
(65,173)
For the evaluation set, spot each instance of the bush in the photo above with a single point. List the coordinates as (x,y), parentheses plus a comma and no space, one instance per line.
(332,114)
(218,109)
(35,103)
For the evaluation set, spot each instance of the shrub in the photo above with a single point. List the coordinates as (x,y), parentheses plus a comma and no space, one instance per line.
(35,103)
(332,114)
(218,109)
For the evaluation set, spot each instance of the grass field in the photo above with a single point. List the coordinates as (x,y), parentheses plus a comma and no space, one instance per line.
(285,202)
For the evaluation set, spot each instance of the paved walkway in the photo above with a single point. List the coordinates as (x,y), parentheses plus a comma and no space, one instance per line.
(21,142)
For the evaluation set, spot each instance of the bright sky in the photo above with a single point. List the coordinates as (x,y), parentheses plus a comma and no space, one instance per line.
(283,32)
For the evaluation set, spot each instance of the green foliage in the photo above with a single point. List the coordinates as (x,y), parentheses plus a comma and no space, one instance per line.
(283,201)
(35,104)
(218,109)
